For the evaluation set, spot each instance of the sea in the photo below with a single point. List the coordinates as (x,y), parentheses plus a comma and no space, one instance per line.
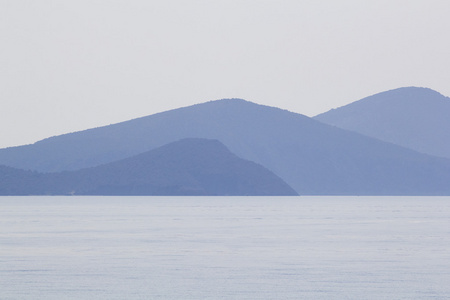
(303,247)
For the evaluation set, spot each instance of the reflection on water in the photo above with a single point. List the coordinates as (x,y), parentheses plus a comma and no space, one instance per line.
(224,247)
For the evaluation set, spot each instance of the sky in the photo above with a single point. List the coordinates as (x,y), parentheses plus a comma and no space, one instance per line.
(71,65)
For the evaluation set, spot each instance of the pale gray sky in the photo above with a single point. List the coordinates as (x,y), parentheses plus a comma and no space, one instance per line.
(72,65)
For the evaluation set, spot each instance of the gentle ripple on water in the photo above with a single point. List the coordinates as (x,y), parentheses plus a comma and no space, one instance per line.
(224,247)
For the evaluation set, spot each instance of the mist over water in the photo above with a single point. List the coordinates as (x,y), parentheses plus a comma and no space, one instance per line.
(224,247)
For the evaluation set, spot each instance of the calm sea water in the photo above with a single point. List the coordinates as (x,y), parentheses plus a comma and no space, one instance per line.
(224,247)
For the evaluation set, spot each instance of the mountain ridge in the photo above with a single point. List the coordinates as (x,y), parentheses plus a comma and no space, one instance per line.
(312,157)
(185,167)
(412,117)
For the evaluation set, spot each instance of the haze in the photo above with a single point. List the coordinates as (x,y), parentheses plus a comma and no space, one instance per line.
(71,65)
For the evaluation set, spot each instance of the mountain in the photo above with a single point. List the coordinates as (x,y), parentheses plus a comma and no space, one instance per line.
(312,157)
(186,167)
(20,182)
(416,118)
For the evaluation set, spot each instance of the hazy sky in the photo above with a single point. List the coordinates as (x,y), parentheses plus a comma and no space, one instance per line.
(72,65)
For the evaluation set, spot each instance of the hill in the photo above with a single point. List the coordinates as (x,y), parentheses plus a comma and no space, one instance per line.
(20,182)
(312,157)
(186,167)
(416,118)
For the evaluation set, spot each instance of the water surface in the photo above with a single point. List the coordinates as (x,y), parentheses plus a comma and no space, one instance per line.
(224,247)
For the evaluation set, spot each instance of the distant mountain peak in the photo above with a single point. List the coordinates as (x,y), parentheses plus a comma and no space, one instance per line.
(190,166)
(412,117)
(410,92)
(227,101)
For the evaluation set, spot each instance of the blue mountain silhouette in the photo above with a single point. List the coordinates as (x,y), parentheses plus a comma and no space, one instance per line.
(416,118)
(312,157)
(185,167)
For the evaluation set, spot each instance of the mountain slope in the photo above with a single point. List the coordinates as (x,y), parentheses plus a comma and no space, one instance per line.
(416,118)
(20,182)
(186,167)
(312,157)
